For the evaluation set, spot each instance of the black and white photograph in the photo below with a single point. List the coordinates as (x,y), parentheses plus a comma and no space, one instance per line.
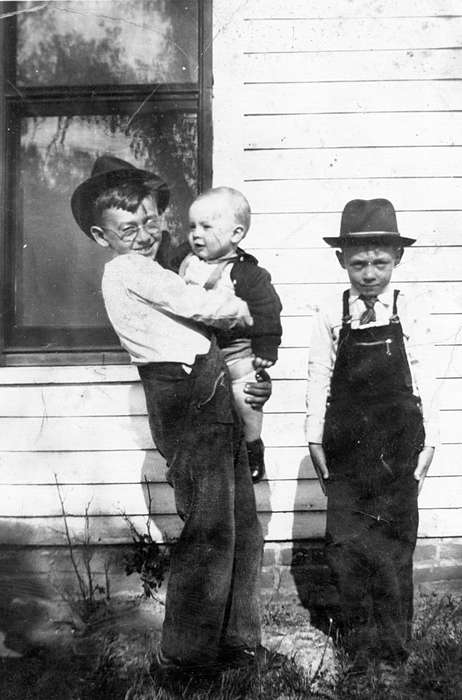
(231,349)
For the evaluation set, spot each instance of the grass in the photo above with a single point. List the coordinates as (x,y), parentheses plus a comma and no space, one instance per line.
(263,682)
(434,668)
(121,669)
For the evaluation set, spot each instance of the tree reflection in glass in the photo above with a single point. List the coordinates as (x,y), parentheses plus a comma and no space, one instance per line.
(59,269)
(100,42)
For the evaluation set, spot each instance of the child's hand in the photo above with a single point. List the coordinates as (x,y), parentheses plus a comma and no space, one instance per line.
(318,458)
(261,363)
(423,464)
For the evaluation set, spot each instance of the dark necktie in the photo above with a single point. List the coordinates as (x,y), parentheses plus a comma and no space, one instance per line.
(369,314)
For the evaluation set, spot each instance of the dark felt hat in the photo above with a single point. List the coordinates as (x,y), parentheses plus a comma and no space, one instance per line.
(367,221)
(109,171)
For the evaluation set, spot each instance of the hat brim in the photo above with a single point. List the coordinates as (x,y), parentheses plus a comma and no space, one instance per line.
(86,193)
(357,239)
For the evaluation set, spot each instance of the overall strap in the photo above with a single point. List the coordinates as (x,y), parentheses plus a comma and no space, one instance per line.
(346,316)
(217,272)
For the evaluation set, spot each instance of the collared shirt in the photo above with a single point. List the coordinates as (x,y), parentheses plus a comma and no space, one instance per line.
(156,315)
(418,341)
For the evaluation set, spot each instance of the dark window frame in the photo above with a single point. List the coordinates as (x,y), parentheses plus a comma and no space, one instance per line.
(57,101)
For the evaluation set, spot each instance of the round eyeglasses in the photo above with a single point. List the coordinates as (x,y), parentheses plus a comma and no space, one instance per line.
(129,233)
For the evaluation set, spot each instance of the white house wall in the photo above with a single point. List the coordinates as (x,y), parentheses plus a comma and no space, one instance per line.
(314,103)
(331,101)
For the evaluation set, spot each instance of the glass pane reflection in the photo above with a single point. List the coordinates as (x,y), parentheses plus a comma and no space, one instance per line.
(97,42)
(59,269)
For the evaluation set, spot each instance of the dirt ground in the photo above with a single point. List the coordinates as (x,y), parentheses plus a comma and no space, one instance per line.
(109,657)
(62,659)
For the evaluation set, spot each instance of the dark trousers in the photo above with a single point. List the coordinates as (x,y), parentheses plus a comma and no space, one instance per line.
(370,545)
(212,592)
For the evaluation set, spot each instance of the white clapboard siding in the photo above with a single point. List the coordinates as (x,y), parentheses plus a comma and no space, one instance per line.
(353,130)
(135,466)
(114,530)
(42,501)
(134,499)
(306,229)
(132,432)
(82,467)
(352,34)
(292,364)
(75,374)
(324,195)
(276,527)
(325,98)
(128,399)
(326,9)
(332,66)
(331,163)
(343,100)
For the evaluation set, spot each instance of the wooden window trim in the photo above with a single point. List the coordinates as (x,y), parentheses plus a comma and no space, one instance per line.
(187,97)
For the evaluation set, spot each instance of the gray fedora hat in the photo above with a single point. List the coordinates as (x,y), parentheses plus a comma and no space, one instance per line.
(367,221)
(109,171)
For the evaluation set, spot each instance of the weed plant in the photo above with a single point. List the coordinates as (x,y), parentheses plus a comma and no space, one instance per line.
(90,598)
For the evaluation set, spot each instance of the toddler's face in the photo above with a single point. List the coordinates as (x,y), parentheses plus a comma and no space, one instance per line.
(214,232)
(126,232)
(369,268)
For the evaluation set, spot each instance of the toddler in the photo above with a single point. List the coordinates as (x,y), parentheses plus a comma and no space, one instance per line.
(219,219)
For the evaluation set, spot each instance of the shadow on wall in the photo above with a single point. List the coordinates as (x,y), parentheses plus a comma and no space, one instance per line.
(160,501)
(159,498)
(310,572)
(156,495)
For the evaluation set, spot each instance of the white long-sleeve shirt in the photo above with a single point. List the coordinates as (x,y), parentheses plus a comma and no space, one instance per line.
(156,315)
(419,345)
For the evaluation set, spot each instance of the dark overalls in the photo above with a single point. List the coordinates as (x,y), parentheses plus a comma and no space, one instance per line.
(372,437)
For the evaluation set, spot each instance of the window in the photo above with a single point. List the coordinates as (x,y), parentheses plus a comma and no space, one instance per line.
(82,78)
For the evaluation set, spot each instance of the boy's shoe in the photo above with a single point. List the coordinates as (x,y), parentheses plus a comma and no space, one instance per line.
(242,657)
(166,665)
(256,454)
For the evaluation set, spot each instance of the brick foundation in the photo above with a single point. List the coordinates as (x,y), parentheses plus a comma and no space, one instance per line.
(299,569)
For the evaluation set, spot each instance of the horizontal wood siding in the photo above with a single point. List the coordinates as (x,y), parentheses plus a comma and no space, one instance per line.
(334,101)
(314,103)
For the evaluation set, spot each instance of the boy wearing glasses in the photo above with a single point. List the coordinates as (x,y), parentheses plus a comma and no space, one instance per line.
(211,614)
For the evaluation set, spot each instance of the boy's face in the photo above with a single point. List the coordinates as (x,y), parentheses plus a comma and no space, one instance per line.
(126,232)
(369,268)
(214,232)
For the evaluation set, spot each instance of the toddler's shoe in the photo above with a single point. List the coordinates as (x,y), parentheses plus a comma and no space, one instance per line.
(256,454)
